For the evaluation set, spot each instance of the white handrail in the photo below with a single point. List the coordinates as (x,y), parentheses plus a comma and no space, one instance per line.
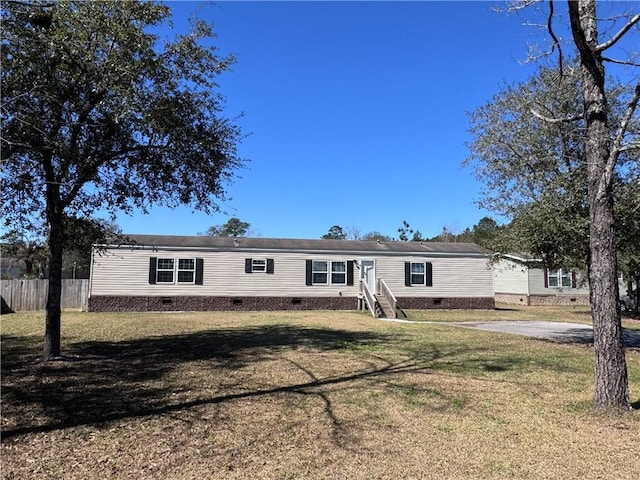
(384,289)
(369,298)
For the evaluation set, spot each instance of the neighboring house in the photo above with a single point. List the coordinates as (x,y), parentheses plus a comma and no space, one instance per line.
(155,272)
(522,280)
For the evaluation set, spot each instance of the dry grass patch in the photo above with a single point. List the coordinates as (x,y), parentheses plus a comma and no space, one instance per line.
(302,395)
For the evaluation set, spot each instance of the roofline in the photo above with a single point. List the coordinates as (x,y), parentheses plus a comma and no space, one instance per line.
(321,245)
(301,250)
(521,259)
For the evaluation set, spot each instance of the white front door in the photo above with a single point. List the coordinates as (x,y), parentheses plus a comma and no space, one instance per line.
(368,274)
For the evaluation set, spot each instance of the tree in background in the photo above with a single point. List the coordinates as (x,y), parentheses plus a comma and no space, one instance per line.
(406,233)
(627,220)
(99,113)
(567,134)
(30,254)
(484,233)
(446,235)
(376,236)
(233,228)
(352,233)
(335,233)
(80,235)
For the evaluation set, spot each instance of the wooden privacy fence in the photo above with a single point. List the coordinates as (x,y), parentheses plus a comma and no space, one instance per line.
(31,294)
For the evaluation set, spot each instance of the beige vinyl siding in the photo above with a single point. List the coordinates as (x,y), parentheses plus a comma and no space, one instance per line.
(126,272)
(452,276)
(536,285)
(511,277)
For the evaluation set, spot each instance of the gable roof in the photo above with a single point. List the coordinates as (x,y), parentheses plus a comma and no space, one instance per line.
(522,257)
(306,245)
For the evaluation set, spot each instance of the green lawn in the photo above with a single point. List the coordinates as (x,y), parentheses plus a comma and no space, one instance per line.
(311,395)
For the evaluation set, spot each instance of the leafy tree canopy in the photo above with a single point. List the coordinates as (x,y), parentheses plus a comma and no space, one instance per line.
(233,228)
(335,233)
(100,113)
(376,236)
(406,233)
(534,170)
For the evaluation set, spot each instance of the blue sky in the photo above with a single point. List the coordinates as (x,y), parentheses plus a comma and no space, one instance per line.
(355,113)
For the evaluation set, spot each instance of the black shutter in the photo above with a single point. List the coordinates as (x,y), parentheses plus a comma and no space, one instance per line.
(309,272)
(270,265)
(546,278)
(152,270)
(247,265)
(199,271)
(574,280)
(429,274)
(350,272)
(407,274)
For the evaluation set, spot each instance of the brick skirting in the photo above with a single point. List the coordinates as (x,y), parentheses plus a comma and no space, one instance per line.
(204,304)
(512,298)
(548,300)
(447,303)
(542,300)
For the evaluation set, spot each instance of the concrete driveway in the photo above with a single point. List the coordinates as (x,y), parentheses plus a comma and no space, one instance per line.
(555,331)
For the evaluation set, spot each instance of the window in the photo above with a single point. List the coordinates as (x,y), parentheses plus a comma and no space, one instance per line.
(164,272)
(339,273)
(186,270)
(259,265)
(557,278)
(319,272)
(325,272)
(418,274)
(172,270)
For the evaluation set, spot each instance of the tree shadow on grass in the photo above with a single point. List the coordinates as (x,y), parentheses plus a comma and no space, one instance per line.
(584,336)
(100,382)
(103,381)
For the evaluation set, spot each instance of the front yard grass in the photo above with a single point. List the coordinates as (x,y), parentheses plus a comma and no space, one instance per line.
(313,395)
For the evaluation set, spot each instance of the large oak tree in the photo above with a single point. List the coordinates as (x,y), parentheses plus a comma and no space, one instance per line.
(604,144)
(579,144)
(100,113)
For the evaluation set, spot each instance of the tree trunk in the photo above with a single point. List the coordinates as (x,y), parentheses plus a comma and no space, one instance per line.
(53,314)
(611,380)
(28,267)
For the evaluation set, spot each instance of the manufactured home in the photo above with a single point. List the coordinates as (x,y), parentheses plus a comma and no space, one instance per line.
(159,272)
(524,280)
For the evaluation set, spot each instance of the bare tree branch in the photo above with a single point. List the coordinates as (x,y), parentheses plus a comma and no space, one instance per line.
(613,40)
(617,146)
(631,147)
(517,5)
(29,4)
(556,42)
(621,62)
(556,120)
(13,144)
